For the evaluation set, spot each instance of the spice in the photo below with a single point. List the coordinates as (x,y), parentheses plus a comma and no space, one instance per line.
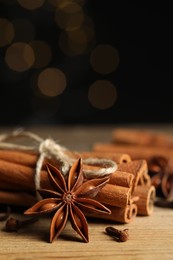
(152,145)
(139,169)
(16,176)
(13,224)
(18,189)
(17,198)
(134,151)
(145,203)
(69,199)
(114,195)
(159,161)
(144,137)
(119,235)
(122,215)
(161,171)
(18,181)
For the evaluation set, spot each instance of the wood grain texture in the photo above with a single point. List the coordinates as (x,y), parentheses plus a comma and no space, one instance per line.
(151,237)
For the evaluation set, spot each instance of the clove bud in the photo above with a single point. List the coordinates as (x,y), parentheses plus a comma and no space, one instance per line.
(13,225)
(119,235)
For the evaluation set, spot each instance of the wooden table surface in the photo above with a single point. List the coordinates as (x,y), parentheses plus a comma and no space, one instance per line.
(151,237)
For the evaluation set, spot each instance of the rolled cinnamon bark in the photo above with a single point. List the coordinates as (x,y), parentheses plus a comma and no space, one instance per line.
(122,178)
(19,157)
(136,152)
(145,203)
(144,137)
(114,195)
(139,169)
(16,174)
(27,158)
(17,198)
(9,186)
(121,215)
(131,136)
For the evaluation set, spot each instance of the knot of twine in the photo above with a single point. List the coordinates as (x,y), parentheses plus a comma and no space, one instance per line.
(48,148)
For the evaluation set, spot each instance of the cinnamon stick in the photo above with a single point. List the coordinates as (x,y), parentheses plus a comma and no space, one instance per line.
(144,137)
(147,196)
(114,195)
(16,174)
(136,152)
(17,198)
(27,158)
(123,194)
(19,157)
(121,215)
(139,169)
(122,178)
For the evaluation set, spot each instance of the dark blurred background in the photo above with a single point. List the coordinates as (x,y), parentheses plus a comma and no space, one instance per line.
(85,62)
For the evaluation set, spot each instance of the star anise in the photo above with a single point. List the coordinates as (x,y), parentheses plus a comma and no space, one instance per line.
(69,199)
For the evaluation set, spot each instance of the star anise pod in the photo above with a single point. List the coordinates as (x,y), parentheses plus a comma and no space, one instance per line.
(69,199)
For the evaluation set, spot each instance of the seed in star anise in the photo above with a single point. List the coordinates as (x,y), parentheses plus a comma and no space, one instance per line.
(69,200)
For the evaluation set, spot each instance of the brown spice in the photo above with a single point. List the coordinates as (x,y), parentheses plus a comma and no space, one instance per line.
(126,177)
(130,173)
(136,152)
(17,198)
(69,198)
(161,171)
(114,195)
(147,196)
(13,224)
(140,136)
(119,235)
(122,215)
(159,161)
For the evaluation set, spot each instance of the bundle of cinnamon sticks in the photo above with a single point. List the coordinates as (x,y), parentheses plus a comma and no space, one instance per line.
(155,147)
(128,194)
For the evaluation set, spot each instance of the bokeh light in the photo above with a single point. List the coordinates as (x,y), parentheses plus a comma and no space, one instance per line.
(24,30)
(69,16)
(6,32)
(102,94)
(73,43)
(78,41)
(51,82)
(19,56)
(42,52)
(104,59)
(31,4)
(89,28)
(80,2)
